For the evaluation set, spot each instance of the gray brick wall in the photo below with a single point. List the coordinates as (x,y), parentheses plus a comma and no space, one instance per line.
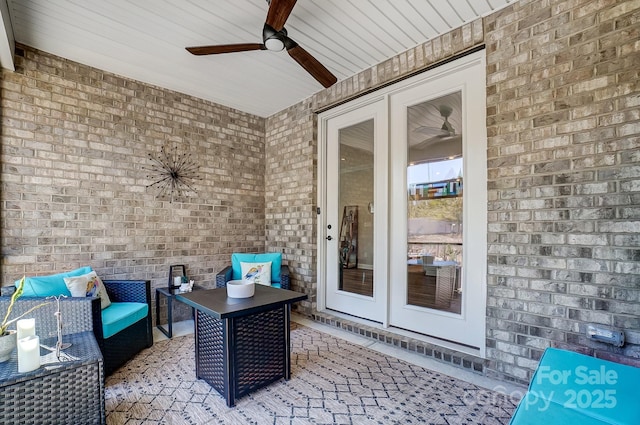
(290,196)
(75,144)
(563,121)
(563,127)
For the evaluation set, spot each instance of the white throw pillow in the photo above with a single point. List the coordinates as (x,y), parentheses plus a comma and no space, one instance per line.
(88,285)
(259,273)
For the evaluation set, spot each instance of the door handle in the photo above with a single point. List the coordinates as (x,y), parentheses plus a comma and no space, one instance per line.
(329,238)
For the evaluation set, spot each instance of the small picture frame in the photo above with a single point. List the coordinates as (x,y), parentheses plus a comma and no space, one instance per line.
(176,274)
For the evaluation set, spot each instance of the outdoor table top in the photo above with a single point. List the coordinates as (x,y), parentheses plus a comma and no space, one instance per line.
(83,350)
(216,303)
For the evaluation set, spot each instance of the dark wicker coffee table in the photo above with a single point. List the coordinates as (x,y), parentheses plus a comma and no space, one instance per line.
(68,392)
(242,344)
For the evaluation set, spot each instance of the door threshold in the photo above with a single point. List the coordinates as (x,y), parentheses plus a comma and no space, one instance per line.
(358,319)
(414,341)
(452,345)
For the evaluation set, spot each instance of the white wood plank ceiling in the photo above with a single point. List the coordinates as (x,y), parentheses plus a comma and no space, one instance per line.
(145,40)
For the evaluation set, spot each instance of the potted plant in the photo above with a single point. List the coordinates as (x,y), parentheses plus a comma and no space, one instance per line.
(8,337)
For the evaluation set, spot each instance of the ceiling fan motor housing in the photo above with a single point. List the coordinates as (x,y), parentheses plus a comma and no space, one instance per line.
(272,39)
(446,111)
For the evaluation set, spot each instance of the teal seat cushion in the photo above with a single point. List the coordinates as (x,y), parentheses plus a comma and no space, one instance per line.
(274,257)
(45,286)
(550,414)
(121,315)
(569,388)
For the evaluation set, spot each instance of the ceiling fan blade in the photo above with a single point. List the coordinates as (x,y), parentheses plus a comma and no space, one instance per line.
(431,131)
(225,48)
(430,142)
(279,11)
(311,64)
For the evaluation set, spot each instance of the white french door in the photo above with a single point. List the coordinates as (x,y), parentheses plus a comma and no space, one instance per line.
(402,201)
(356,263)
(438,262)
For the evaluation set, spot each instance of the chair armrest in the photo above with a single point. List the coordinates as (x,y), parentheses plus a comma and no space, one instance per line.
(129,290)
(223,277)
(285,281)
(77,313)
(7,291)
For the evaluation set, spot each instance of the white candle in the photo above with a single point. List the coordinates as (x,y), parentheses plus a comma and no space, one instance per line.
(28,354)
(177,281)
(26,327)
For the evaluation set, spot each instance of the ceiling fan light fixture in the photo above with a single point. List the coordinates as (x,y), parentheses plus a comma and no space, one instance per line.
(274,44)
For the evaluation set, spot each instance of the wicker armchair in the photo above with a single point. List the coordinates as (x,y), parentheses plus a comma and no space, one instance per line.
(124,345)
(234,270)
(226,274)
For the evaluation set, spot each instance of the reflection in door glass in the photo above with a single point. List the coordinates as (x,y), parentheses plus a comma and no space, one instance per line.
(355,243)
(434,196)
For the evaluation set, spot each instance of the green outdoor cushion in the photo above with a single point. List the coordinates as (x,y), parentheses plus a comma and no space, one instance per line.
(45,286)
(121,315)
(274,257)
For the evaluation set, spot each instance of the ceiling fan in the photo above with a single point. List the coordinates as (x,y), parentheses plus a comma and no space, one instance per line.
(438,138)
(275,38)
(446,130)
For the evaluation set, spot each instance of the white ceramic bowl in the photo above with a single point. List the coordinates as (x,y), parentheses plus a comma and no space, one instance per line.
(240,289)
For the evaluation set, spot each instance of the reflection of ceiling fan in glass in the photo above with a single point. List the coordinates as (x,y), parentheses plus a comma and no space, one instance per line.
(446,130)
(437,134)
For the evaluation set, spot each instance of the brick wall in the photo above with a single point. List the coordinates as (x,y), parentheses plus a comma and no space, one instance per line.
(290,195)
(75,144)
(563,117)
(564,180)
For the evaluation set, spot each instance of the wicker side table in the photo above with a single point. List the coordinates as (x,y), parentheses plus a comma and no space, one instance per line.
(67,392)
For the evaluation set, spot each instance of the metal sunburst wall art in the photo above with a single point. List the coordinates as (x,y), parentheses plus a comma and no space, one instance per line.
(173,173)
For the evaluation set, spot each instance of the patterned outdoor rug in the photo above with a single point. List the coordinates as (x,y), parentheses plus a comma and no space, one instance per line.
(332,382)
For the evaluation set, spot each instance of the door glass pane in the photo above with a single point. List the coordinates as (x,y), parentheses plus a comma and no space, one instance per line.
(355,208)
(434,196)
